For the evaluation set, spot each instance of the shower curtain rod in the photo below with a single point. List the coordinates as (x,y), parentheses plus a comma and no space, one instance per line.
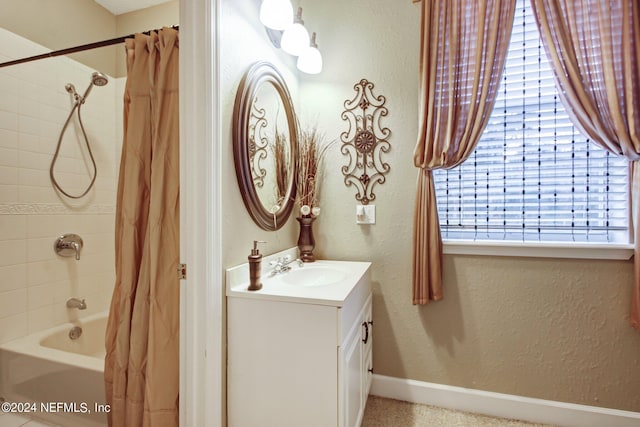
(75,49)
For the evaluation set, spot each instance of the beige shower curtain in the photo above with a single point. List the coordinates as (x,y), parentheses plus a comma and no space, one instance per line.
(594,47)
(464,45)
(142,342)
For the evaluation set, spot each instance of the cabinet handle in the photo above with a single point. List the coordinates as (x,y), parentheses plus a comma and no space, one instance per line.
(370,370)
(366,332)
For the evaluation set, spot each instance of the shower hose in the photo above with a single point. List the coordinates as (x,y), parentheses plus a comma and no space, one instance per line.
(76,108)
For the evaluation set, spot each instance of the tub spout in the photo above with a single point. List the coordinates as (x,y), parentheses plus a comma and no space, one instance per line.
(76,303)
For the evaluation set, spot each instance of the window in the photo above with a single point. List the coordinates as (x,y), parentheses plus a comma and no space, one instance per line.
(533,177)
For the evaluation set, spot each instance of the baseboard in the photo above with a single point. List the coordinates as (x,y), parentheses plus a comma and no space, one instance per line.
(501,405)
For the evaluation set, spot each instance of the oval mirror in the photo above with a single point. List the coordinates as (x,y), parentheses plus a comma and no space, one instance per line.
(265,141)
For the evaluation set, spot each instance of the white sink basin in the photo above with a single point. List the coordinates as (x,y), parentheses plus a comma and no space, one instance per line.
(323,282)
(311,275)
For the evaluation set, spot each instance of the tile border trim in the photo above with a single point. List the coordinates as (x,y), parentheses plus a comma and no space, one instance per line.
(54,209)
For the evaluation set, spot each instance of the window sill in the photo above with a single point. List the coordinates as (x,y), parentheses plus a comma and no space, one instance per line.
(539,250)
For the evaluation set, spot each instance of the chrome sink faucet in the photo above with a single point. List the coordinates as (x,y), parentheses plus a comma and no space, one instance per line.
(283,264)
(76,303)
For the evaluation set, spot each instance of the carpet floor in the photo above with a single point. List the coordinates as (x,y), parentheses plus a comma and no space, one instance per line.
(381,412)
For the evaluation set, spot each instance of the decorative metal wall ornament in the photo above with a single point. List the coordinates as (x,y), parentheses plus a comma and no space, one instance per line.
(365,141)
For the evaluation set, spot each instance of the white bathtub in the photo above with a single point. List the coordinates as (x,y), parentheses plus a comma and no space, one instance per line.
(50,369)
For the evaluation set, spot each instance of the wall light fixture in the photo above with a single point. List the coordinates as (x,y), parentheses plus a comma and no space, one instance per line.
(295,38)
(290,34)
(310,60)
(276,14)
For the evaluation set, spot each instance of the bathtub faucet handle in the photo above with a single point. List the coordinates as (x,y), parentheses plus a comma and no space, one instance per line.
(76,303)
(76,247)
(68,245)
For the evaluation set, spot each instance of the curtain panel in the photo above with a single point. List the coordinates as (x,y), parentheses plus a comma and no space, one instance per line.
(594,48)
(463,48)
(142,338)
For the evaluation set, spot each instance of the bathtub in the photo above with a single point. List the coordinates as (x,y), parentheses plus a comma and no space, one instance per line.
(61,376)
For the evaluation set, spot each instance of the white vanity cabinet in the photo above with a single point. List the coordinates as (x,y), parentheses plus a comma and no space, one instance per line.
(300,360)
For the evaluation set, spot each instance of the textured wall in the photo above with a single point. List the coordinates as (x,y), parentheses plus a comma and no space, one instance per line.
(155,17)
(547,328)
(62,24)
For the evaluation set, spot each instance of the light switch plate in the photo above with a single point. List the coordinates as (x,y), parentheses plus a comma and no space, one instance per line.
(365,214)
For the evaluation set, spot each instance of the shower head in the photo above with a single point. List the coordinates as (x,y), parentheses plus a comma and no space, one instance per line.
(97,79)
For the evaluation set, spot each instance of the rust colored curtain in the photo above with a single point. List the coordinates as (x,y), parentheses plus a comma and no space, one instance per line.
(594,47)
(142,341)
(463,48)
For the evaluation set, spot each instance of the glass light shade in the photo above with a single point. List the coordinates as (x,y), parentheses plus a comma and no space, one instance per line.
(295,39)
(310,61)
(276,14)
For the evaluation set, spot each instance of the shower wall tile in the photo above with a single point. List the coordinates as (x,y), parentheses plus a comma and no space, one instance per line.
(13,327)
(47,317)
(41,272)
(39,250)
(48,225)
(31,160)
(13,302)
(8,101)
(13,227)
(8,193)
(28,142)
(9,88)
(8,120)
(52,116)
(33,178)
(29,107)
(28,89)
(29,194)
(13,277)
(9,175)
(57,100)
(12,252)
(8,156)
(8,138)
(43,295)
(33,108)
(28,125)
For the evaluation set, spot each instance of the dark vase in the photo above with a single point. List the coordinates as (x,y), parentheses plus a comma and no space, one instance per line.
(305,239)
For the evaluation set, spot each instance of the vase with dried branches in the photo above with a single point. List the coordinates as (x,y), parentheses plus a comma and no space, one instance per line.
(311,152)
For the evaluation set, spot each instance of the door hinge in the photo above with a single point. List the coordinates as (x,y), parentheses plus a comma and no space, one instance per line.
(182,271)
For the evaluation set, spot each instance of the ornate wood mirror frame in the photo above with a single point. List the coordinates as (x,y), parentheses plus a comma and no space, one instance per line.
(260,168)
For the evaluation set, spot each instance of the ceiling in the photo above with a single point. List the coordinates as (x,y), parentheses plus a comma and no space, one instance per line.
(118,7)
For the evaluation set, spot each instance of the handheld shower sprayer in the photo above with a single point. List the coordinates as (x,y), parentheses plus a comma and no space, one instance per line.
(97,79)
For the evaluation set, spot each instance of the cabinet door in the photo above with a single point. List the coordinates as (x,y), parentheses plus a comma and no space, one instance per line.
(352,366)
(367,353)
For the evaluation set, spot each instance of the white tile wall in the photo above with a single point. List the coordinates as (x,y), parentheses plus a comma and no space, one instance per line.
(34,281)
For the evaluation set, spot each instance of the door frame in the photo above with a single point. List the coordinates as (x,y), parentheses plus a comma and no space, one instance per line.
(201,324)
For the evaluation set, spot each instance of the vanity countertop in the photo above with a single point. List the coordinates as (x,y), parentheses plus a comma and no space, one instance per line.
(323,282)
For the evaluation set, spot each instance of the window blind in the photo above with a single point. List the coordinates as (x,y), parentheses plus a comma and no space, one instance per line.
(533,175)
